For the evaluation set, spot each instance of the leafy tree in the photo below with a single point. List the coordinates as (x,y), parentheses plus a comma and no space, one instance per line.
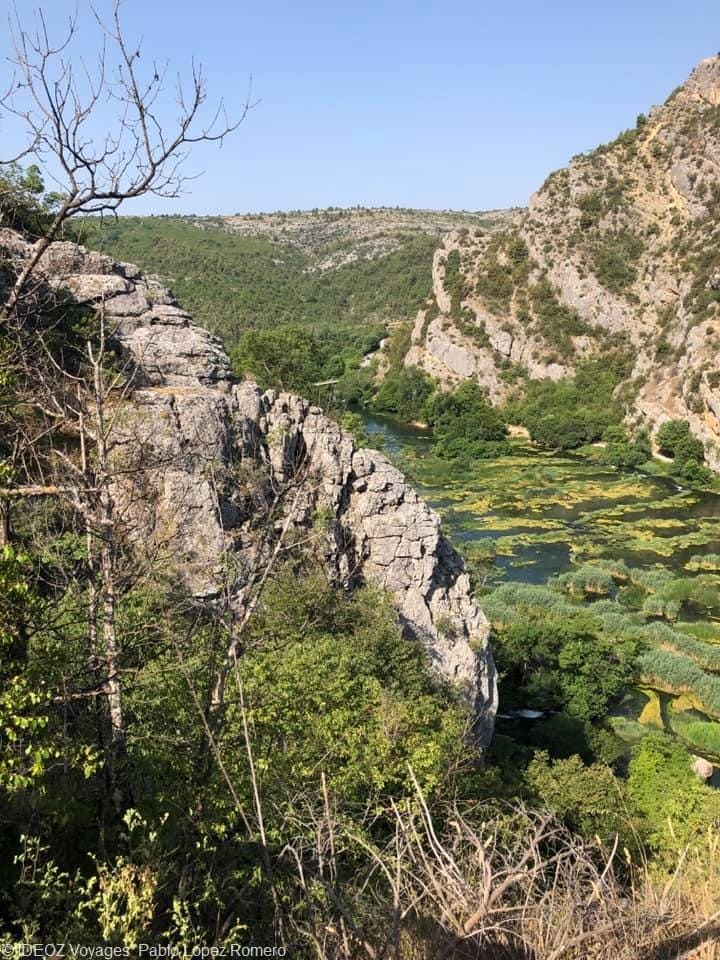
(404,393)
(24,205)
(675,440)
(287,358)
(555,654)
(465,424)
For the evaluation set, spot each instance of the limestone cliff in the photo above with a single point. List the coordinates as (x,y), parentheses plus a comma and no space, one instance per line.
(212,473)
(620,250)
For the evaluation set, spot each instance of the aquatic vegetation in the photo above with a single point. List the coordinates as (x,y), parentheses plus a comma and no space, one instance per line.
(556,654)
(677,673)
(651,715)
(703,630)
(597,563)
(700,735)
(708,561)
(706,655)
(587,580)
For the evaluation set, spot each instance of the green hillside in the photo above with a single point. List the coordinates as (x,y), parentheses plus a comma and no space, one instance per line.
(231,283)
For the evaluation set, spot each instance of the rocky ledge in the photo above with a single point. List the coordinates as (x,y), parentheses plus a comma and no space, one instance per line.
(214,461)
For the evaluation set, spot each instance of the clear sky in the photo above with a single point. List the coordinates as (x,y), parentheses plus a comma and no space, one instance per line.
(466,105)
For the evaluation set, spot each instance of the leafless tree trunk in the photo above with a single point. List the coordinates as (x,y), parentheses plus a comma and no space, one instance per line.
(140,154)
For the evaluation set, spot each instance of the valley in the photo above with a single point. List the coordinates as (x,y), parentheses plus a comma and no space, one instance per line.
(360,568)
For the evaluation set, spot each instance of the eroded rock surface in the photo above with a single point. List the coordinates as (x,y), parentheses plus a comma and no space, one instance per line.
(619,252)
(205,456)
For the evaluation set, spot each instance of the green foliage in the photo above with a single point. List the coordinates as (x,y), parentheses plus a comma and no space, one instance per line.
(588,580)
(615,259)
(296,358)
(404,393)
(706,655)
(353,422)
(624,451)
(503,268)
(231,283)
(361,666)
(680,674)
(455,283)
(24,205)
(589,799)
(704,561)
(700,735)
(675,440)
(24,749)
(465,424)
(678,807)
(557,655)
(555,321)
(591,208)
(565,414)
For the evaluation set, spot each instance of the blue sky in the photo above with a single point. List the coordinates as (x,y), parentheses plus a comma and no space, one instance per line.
(466,106)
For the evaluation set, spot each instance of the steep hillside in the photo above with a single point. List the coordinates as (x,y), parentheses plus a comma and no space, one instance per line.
(337,269)
(619,253)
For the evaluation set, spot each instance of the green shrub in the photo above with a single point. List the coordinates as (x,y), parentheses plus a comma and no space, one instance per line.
(678,808)
(615,258)
(555,321)
(404,393)
(558,655)
(569,413)
(463,420)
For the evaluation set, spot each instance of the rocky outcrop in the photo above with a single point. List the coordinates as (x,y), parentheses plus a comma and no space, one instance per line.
(619,251)
(213,473)
(484,344)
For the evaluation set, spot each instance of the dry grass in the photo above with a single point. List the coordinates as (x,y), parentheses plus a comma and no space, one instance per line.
(510,884)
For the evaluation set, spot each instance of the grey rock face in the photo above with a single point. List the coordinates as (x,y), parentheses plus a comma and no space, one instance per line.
(203,456)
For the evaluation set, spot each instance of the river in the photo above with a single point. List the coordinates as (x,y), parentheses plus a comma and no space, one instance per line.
(531,515)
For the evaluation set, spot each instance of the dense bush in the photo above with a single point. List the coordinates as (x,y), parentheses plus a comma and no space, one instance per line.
(404,392)
(623,450)
(675,440)
(465,424)
(615,258)
(565,414)
(677,806)
(557,655)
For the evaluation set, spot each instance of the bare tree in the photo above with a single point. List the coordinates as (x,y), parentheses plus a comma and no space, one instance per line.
(61,108)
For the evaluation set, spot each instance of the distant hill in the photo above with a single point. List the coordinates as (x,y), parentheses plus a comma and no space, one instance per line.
(322,268)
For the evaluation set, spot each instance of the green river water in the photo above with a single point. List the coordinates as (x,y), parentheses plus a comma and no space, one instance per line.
(538,513)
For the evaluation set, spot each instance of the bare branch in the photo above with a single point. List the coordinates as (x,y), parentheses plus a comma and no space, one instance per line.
(142,152)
